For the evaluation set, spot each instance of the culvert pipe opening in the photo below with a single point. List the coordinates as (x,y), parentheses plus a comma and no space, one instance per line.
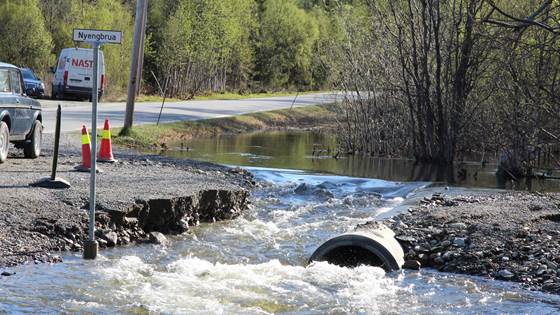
(353,256)
(374,245)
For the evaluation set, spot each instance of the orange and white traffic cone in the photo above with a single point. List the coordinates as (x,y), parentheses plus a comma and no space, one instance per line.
(106,150)
(86,152)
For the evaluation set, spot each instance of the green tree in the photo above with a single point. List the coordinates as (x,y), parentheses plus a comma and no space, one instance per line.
(206,46)
(323,64)
(241,29)
(62,16)
(285,45)
(112,15)
(18,45)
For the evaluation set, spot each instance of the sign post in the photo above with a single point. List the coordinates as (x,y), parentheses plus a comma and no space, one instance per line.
(95,38)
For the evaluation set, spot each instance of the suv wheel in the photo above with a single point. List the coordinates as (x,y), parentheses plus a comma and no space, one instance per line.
(32,148)
(4,141)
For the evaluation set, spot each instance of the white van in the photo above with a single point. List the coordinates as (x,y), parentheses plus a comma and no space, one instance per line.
(73,76)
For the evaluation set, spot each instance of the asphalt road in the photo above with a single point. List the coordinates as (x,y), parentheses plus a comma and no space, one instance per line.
(76,114)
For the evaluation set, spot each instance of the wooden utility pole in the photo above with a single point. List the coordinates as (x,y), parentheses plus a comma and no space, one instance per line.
(141,51)
(133,81)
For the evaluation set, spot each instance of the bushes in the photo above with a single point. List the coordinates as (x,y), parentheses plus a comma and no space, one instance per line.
(442,81)
(24,40)
(200,45)
(62,16)
(239,45)
(285,45)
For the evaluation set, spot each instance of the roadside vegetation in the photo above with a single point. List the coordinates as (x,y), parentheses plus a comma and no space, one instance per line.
(193,47)
(440,80)
(211,96)
(238,96)
(322,117)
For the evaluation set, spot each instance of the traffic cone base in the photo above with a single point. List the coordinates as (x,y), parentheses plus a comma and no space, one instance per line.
(106,150)
(83,169)
(111,161)
(108,161)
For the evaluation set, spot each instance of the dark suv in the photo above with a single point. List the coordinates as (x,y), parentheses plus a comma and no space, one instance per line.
(20,115)
(34,87)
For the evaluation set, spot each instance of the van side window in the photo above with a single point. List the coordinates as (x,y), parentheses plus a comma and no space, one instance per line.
(4,80)
(16,82)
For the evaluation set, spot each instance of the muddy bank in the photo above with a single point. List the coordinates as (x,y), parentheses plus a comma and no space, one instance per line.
(511,236)
(137,196)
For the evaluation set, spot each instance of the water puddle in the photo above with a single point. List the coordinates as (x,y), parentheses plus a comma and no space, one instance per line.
(257,265)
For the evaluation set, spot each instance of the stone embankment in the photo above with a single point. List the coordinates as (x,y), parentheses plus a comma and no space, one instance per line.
(508,236)
(145,220)
(139,199)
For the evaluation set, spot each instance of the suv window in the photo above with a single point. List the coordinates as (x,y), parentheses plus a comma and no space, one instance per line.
(27,74)
(5,80)
(16,81)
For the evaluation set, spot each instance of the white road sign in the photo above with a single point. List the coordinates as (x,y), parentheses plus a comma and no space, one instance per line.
(97,36)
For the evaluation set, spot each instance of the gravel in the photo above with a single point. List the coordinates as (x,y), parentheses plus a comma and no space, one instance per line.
(513,236)
(37,223)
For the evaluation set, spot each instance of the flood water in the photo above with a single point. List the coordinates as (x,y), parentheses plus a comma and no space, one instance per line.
(257,264)
(314,152)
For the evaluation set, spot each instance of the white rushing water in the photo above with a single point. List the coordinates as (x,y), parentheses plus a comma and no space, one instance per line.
(256,264)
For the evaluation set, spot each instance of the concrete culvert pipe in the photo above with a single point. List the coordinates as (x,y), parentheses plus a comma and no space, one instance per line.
(372,244)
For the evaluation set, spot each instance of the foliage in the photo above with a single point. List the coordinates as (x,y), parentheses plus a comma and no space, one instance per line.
(285,45)
(198,46)
(204,45)
(24,39)
(440,79)
(62,16)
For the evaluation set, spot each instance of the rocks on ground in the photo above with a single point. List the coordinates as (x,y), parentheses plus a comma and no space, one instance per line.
(157,238)
(138,195)
(510,236)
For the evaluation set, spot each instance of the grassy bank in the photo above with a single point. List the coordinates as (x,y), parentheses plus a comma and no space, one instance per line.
(213,96)
(237,96)
(149,136)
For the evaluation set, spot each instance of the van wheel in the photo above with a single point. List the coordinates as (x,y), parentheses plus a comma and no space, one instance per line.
(98,98)
(54,92)
(32,148)
(4,141)
(56,95)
